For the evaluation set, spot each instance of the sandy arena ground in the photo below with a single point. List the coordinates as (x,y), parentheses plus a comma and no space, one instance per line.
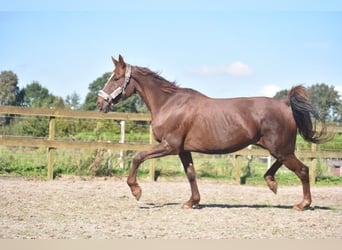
(72,208)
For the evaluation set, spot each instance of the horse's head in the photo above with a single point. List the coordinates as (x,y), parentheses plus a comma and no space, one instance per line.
(117,87)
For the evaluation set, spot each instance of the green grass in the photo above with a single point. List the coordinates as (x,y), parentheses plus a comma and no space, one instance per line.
(31,162)
(334,144)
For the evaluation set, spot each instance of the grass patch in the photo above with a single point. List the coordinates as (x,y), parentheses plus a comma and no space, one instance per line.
(32,162)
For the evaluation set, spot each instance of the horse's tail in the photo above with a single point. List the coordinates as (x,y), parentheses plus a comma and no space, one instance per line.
(303,110)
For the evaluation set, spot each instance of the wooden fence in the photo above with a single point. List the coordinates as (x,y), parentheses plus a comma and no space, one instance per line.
(51,143)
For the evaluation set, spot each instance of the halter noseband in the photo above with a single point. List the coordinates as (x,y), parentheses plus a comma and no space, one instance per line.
(118,90)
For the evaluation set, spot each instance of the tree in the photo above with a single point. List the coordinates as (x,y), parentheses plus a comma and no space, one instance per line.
(282,94)
(9,90)
(9,93)
(36,96)
(73,101)
(133,104)
(326,99)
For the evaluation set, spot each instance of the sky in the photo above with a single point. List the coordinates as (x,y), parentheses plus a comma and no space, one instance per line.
(220,48)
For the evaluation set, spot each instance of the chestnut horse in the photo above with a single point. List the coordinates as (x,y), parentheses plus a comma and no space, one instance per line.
(185,121)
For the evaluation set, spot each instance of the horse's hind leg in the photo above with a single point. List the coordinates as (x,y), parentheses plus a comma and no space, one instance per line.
(191,174)
(302,172)
(269,176)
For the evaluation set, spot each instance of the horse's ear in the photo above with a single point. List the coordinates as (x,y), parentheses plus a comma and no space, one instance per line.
(121,60)
(114,61)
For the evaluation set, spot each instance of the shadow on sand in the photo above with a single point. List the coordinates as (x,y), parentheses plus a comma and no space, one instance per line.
(257,206)
(227,206)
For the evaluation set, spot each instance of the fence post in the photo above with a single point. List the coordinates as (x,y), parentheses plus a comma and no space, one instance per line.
(51,150)
(313,165)
(238,164)
(122,140)
(152,161)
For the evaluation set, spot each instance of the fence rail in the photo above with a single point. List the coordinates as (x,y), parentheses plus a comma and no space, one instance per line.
(51,143)
(77,114)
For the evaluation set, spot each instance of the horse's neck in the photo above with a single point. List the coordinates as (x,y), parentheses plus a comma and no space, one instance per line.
(149,90)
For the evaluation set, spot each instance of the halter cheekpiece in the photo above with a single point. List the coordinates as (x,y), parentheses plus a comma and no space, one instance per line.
(118,90)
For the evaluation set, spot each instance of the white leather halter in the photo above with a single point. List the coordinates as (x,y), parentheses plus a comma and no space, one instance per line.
(118,90)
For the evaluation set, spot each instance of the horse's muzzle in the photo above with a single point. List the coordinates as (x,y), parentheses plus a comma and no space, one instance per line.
(102,105)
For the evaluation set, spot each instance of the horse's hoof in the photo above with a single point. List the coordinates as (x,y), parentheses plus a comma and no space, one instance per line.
(272,184)
(301,207)
(298,207)
(136,191)
(190,205)
(274,187)
(186,206)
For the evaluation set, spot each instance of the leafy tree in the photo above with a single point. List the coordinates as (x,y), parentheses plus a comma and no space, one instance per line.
(58,103)
(9,90)
(37,127)
(133,104)
(36,96)
(282,94)
(326,99)
(73,101)
(9,93)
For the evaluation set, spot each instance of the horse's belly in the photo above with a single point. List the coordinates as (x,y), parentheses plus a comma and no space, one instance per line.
(212,144)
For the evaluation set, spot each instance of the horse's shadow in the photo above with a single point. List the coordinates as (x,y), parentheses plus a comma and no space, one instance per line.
(258,206)
(231,206)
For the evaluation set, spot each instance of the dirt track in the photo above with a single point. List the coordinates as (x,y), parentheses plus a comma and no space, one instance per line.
(104,209)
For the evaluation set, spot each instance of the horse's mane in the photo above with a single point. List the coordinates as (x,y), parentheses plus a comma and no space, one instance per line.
(165,85)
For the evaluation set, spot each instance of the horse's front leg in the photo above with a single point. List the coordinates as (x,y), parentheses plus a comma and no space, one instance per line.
(159,150)
(191,174)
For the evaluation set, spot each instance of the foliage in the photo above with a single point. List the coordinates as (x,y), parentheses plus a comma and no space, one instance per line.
(282,94)
(9,90)
(28,162)
(9,93)
(36,96)
(73,101)
(326,99)
(22,161)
